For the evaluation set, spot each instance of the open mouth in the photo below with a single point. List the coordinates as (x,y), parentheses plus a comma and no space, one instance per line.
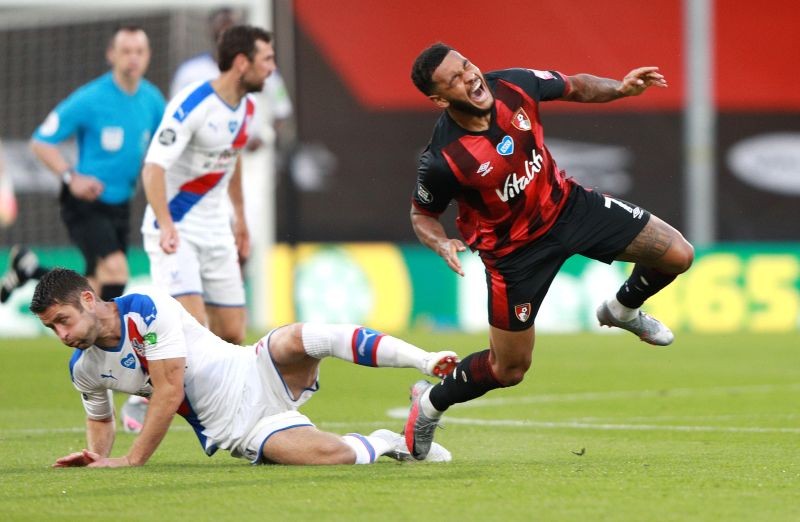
(477,91)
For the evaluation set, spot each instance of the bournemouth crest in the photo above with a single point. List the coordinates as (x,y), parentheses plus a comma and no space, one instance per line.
(523,311)
(520,120)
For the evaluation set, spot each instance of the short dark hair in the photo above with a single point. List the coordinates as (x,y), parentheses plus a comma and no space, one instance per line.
(58,286)
(124,28)
(427,62)
(239,39)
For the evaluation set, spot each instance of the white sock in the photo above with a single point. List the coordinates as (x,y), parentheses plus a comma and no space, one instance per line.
(366,447)
(360,345)
(135,399)
(622,312)
(427,406)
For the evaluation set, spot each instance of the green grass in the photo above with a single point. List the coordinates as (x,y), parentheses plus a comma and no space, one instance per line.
(708,429)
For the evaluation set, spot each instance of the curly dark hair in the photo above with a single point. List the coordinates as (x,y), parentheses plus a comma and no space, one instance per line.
(239,39)
(424,65)
(58,286)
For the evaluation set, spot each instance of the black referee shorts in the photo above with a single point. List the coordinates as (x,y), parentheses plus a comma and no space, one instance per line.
(591,224)
(97,229)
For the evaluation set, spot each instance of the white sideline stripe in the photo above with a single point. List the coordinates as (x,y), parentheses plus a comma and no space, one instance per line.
(402,412)
(76,429)
(632,394)
(610,427)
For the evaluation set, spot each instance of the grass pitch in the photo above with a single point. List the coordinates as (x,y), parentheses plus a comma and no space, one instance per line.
(603,428)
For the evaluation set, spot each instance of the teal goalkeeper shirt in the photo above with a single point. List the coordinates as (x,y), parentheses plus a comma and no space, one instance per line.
(112,129)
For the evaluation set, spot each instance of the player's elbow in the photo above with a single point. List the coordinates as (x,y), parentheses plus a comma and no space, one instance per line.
(37,147)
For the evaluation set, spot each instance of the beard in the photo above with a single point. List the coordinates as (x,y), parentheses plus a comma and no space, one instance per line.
(252,86)
(468,108)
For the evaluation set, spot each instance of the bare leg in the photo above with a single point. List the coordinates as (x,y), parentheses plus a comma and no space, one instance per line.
(228,322)
(193,303)
(307,445)
(661,253)
(660,246)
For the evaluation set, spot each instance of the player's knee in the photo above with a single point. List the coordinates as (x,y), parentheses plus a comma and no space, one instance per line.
(682,256)
(688,256)
(511,374)
(233,336)
(113,267)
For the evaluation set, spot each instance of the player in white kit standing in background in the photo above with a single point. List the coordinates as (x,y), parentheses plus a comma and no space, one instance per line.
(192,167)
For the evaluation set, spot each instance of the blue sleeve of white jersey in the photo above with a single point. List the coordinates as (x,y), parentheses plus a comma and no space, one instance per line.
(66,119)
(173,133)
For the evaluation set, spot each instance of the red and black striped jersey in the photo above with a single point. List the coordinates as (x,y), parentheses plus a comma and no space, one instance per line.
(508,188)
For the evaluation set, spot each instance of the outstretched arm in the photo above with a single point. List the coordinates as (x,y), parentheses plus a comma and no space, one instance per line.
(593,89)
(99,438)
(431,233)
(167,378)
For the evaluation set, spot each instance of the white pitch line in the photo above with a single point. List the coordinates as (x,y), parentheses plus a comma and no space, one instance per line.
(629,394)
(611,427)
(76,429)
(402,412)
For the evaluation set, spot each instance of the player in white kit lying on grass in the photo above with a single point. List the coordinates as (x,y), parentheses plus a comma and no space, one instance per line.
(240,399)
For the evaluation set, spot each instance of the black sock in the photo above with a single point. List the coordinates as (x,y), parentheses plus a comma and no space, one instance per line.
(109,292)
(643,283)
(39,272)
(472,378)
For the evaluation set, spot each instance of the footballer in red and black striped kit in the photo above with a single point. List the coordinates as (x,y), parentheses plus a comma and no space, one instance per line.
(524,216)
(507,184)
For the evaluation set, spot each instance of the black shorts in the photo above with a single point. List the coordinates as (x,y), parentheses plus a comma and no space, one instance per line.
(591,224)
(97,229)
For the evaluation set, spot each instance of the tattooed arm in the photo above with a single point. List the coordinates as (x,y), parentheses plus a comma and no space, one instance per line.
(593,89)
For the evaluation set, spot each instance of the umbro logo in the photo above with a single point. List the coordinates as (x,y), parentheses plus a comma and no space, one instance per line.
(485,168)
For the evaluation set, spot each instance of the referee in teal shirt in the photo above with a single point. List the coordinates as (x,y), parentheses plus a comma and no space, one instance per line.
(112,119)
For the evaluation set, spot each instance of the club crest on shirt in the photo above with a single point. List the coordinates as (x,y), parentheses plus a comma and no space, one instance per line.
(232,125)
(523,311)
(520,120)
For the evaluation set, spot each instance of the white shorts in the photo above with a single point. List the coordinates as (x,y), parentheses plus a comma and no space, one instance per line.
(252,447)
(277,407)
(212,271)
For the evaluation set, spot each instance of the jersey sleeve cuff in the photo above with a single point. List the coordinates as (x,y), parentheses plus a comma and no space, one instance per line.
(567,83)
(425,211)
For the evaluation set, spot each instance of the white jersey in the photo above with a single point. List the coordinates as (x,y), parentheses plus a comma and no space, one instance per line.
(198,143)
(224,395)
